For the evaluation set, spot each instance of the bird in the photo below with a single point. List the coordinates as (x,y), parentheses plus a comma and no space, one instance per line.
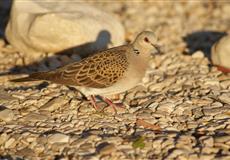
(108,72)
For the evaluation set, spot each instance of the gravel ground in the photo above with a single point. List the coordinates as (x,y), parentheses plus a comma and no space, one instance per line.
(181,111)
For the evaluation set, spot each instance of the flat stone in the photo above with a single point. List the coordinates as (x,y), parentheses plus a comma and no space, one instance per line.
(166,107)
(107,149)
(7,115)
(34,117)
(213,110)
(9,142)
(222,139)
(58,138)
(212,82)
(54,104)
(86,149)
(3,138)
(220,52)
(6,97)
(27,152)
(225,98)
(225,84)
(198,54)
(2,43)
(207,141)
(197,112)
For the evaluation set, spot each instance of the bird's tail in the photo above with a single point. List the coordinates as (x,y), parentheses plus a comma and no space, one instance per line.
(34,77)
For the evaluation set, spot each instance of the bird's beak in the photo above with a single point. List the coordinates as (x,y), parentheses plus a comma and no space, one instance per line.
(158,49)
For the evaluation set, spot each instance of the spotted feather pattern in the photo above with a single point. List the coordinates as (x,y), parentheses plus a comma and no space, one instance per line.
(98,71)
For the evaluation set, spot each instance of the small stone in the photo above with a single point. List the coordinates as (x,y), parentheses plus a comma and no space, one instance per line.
(225,98)
(222,139)
(9,142)
(86,149)
(6,97)
(198,54)
(58,138)
(207,141)
(54,104)
(106,149)
(206,156)
(7,115)
(34,117)
(166,107)
(3,138)
(176,152)
(212,82)
(225,84)
(220,52)
(197,112)
(209,150)
(27,152)
(39,148)
(2,43)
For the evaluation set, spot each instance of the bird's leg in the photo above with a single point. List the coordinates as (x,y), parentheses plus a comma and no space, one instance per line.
(93,101)
(118,104)
(110,103)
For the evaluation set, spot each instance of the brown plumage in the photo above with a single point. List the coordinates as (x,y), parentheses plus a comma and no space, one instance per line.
(98,71)
(108,72)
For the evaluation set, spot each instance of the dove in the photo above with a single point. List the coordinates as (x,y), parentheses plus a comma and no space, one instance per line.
(107,72)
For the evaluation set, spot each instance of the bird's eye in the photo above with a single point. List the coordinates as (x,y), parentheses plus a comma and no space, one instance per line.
(146,39)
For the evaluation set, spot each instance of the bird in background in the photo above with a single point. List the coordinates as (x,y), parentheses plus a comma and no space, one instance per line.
(107,72)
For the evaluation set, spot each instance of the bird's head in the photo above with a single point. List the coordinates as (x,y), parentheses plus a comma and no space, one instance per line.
(146,42)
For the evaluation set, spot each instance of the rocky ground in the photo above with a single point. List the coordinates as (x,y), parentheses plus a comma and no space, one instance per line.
(182,111)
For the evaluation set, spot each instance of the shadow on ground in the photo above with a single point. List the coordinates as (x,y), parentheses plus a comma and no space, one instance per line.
(5,6)
(203,41)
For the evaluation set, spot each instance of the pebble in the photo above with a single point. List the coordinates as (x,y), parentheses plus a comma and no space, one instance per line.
(212,82)
(107,149)
(225,98)
(2,43)
(6,97)
(222,139)
(198,54)
(9,143)
(207,141)
(86,149)
(166,107)
(58,138)
(176,152)
(6,115)
(197,113)
(3,138)
(34,117)
(54,104)
(26,152)
(225,84)
(213,111)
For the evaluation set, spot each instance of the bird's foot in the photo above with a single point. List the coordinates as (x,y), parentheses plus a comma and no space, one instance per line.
(108,101)
(94,103)
(114,105)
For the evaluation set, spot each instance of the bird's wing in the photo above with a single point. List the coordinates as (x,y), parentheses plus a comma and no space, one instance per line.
(98,71)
